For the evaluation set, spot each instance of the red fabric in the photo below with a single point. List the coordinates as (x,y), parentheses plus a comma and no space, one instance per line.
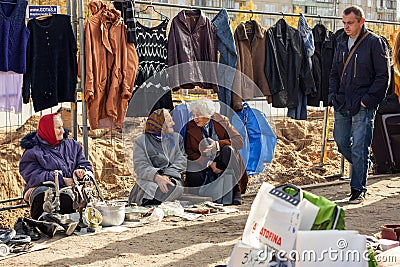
(46,129)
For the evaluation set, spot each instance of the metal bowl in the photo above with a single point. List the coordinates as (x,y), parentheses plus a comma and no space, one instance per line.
(135,213)
(113,213)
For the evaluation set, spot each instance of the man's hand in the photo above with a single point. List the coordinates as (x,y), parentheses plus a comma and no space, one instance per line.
(68,181)
(214,168)
(163,181)
(363,105)
(79,173)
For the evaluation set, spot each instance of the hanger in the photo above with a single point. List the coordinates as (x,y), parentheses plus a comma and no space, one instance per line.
(319,21)
(251,17)
(11,3)
(163,17)
(44,17)
(283,16)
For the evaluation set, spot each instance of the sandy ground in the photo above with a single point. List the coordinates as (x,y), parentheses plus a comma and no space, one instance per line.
(208,241)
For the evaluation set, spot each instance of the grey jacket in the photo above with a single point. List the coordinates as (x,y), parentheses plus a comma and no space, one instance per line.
(152,156)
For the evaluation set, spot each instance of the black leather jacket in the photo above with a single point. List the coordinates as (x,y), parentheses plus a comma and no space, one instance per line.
(366,77)
(286,66)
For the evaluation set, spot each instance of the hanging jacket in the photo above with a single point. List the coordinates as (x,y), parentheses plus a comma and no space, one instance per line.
(227,59)
(191,39)
(13,36)
(324,41)
(259,138)
(51,74)
(286,67)
(366,77)
(251,61)
(111,66)
(40,159)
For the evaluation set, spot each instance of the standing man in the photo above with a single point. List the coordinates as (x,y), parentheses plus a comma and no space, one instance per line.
(358,82)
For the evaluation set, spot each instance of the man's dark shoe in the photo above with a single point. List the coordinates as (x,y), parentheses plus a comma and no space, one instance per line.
(357,197)
(237,196)
(69,226)
(21,228)
(46,228)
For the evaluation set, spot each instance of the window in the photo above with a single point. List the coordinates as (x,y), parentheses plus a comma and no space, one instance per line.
(390,17)
(269,21)
(369,3)
(228,3)
(391,4)
(285,9)
(163,1)
(269,8)
(312,10)
(345,2)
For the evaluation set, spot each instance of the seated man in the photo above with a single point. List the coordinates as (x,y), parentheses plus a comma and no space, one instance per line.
(159,162)
(47,150)
(212,145)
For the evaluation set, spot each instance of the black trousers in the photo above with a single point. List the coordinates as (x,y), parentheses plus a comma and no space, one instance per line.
(226,159)
(66,205)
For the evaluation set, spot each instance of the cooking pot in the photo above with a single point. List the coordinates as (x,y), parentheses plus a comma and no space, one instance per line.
(113,212)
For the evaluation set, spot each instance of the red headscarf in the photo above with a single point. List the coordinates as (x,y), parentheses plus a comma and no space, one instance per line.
(46,129)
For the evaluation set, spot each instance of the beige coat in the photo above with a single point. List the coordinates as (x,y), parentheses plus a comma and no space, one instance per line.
(251,62)
(111,66)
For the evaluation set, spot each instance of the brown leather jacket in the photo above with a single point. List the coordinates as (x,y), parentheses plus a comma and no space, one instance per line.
(192,38)
(227,136)
(251,62)
(111,66)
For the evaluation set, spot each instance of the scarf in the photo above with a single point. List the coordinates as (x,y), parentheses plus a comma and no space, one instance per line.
(155,122)
(46,129)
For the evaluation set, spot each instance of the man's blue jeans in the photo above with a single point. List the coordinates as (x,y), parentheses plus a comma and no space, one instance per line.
(353,136)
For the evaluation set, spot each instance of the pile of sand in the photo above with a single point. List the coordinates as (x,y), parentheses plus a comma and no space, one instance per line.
(296,159)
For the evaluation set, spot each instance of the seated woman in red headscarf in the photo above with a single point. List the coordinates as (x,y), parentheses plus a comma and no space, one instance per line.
(48,150)
(159,162)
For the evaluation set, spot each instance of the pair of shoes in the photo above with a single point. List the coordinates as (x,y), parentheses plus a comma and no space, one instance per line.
(68,225)
(22,229)
(356,197)
(46,228)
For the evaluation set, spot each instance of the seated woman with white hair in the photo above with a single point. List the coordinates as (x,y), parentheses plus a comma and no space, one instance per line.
(212,145)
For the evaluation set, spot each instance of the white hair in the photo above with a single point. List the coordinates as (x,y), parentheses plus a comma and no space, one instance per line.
(204,108)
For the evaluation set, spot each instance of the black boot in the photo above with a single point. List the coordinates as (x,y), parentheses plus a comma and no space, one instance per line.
(21,228)
(237,196)
(68,225)
(46,228)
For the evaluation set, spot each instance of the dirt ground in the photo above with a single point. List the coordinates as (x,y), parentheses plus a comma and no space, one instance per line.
(209,240)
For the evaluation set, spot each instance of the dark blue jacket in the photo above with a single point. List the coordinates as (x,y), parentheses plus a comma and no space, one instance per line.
(40,159)
(366,77)
(227,58)
(13,36)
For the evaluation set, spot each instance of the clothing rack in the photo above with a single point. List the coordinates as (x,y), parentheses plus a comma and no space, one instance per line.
(232,10)
(216,9)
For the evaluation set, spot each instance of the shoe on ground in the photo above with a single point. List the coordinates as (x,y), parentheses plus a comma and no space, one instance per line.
(6,235)
(357,197)
(237,196)
(22,228)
